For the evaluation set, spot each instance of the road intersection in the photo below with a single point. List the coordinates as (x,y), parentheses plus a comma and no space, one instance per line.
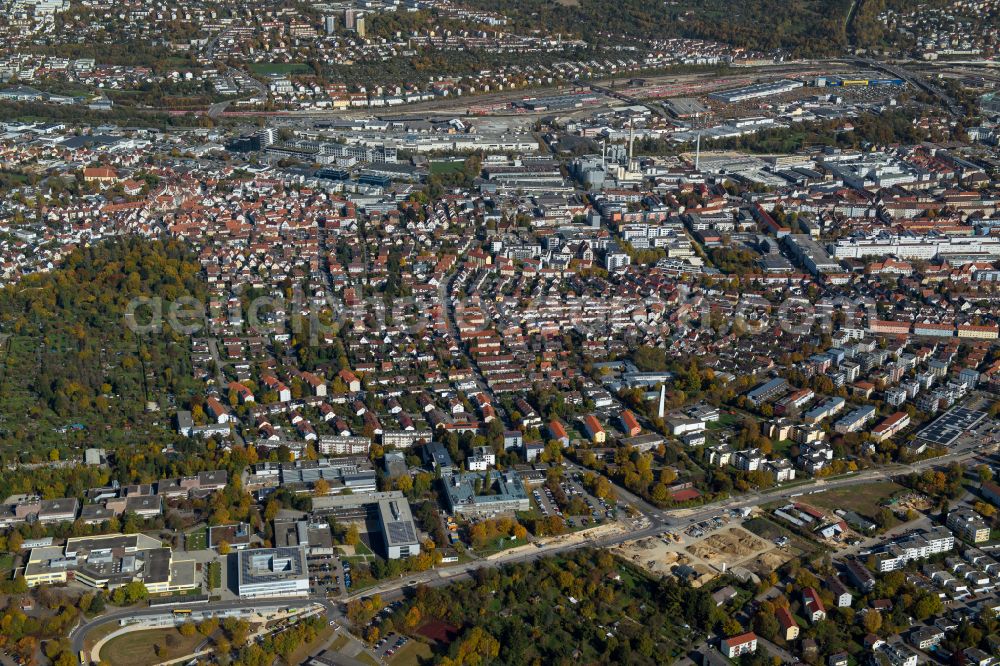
(653,521)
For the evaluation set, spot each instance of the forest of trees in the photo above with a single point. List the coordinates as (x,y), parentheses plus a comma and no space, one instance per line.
(78,114)
(802,27)
(69,362)
(401,70)
(588,607)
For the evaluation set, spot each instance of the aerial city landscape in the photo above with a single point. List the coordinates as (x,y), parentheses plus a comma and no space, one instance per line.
(469,332)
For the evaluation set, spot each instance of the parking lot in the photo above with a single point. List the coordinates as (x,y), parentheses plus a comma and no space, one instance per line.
(389,645)
(546,502)
(599,509)
(590,510)
(326,575)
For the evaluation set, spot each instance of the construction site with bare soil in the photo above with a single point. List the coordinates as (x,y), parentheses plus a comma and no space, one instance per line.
(732,549)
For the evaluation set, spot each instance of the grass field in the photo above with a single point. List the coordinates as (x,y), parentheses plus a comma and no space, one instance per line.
(6,562)
(499,544)
(94,636)
(140,647)
(299,655)
(214,575)
(781,447)
(366,658)
(446,166)
(864,499)
(280,68)
(726,420)
(413,653)
(197,540)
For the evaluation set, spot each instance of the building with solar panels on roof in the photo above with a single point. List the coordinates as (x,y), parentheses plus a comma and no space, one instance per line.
(272,572)
(398,531)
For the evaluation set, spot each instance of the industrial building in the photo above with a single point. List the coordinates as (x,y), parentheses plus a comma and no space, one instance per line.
(756,90)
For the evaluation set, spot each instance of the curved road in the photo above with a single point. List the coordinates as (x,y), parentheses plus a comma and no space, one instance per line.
(658,522)
(79,634)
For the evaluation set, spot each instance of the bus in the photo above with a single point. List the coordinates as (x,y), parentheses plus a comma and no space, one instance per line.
(182,611)
(83,658)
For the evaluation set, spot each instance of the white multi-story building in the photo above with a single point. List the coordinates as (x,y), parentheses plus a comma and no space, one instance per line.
(272,572)
(916,247)
(915,546)
(482,459)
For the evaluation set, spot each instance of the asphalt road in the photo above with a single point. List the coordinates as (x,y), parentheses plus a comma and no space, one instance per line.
(79,634)
(658,521)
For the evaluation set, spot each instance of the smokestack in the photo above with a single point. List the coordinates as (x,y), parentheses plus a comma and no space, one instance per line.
(631,140)
(697,147)
(663,400)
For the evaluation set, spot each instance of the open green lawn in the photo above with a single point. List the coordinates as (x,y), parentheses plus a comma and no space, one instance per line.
(339,642)
(499,544)
(6,562)
(302,652)
(148,647)
(197,540)
(726,420)
(215,575)
(366,658)
(864,499)
(280,68)
(413,653)
(446,166)
(781,447)
(95,635)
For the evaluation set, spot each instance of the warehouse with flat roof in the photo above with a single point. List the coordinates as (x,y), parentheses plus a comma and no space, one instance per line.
(756,90)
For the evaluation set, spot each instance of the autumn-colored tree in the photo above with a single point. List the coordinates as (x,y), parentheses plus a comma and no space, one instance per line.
(404,483)
(731,627)
(208,626)
(413,618)
(477,647)
(872,621)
